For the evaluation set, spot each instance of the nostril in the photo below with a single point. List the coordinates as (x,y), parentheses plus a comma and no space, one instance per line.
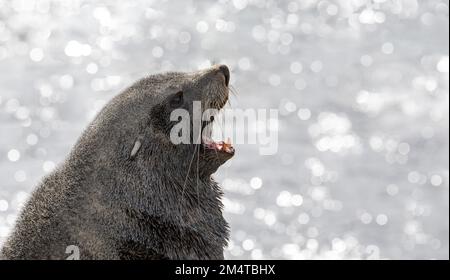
(226,72)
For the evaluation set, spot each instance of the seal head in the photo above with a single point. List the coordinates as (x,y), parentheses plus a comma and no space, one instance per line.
(154,98)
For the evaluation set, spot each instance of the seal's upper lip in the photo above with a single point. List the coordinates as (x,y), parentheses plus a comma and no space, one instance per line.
(207,142)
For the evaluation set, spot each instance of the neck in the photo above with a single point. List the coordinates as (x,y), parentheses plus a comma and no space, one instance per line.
(162,180)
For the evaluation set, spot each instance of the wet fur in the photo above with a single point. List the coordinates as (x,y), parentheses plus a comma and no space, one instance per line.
(160,203)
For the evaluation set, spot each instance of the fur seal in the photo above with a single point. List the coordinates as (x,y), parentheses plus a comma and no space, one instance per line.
(125,191)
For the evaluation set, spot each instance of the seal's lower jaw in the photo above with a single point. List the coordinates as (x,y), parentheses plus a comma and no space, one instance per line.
(213,155)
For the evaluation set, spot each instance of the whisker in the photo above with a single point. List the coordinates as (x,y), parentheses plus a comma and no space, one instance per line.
(221,131)
(198,171)
(185,181)
(233,90)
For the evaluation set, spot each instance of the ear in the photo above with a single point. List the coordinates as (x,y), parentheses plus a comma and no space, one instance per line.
(136,147)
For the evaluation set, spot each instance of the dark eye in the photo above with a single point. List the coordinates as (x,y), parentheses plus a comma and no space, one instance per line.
(177,100)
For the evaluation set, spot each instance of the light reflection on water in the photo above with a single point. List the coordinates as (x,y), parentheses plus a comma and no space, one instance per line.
(362,89)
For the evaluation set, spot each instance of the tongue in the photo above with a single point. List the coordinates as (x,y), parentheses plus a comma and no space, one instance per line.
(225,147)
(220,146)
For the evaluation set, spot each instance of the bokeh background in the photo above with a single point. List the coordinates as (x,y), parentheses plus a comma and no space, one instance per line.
(362,169)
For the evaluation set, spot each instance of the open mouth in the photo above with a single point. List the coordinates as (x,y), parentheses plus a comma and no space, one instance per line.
(208,144)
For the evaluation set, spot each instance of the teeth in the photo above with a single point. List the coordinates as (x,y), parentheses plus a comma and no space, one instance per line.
(220,146)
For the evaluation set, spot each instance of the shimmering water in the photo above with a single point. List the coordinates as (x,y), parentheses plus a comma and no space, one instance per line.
(362,169)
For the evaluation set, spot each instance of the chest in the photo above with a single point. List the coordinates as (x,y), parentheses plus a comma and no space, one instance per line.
(154,237)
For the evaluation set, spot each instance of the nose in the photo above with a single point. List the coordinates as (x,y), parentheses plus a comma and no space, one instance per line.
(226,72)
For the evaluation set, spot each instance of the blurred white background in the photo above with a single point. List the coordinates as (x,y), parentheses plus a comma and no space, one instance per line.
(362,87)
